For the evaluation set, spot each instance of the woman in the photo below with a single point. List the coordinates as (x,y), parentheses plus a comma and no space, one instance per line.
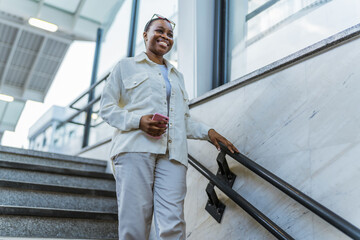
(150,157)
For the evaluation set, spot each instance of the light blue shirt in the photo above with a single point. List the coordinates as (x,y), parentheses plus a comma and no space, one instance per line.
(164,72)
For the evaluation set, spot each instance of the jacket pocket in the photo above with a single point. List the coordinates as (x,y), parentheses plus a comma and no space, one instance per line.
(138,87)
(135,80)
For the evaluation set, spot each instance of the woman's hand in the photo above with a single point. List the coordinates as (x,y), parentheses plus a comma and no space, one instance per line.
(215,138)
(154,128)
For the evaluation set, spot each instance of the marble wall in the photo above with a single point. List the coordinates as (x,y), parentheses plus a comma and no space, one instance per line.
(301,123)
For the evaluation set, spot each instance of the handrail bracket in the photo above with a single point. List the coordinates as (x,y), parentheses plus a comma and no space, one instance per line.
(214,206)
(224,172)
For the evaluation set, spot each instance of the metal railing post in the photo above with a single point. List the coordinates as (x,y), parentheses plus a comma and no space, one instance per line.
(91,93)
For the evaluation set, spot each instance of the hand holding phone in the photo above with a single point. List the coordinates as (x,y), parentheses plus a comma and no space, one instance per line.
(160,117)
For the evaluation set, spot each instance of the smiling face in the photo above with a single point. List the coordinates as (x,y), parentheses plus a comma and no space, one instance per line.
(159,37)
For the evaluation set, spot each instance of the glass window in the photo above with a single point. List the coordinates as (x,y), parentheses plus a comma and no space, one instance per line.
(262,33)
(114,46)
(166,8)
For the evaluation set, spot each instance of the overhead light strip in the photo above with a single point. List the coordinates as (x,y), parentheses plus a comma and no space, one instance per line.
(43,24)
(6,98)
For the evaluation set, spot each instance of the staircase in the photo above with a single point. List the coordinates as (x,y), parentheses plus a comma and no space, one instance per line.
(46,195)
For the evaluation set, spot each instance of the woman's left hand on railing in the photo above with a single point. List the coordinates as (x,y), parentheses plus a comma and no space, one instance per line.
(215,138)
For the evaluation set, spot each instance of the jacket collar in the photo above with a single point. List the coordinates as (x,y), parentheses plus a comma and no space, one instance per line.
(143,57)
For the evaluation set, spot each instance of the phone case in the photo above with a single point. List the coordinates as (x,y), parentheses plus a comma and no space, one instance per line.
(159,117)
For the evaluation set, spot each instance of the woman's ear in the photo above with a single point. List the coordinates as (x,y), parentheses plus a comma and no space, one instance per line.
(145,36)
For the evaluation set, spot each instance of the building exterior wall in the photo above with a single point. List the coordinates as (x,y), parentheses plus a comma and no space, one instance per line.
(302,124)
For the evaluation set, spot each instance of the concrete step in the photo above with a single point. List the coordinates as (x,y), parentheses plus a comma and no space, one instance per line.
(56,223)
(51,159)
(32,173)
(15,193)
(31,238)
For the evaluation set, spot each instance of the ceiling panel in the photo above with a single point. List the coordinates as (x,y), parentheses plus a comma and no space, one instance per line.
(4,52)
(47,66)
(16,77)
(10,113)
(8,34)
(30,41)
(92,7)
(55,48)
(39,82)
(23,59)
(29,60)
(13,111)
(66,5)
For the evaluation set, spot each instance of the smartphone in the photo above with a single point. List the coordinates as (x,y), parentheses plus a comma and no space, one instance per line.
(159,117)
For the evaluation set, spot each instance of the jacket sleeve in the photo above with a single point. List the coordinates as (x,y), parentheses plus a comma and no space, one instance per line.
(196,129)
(110,110)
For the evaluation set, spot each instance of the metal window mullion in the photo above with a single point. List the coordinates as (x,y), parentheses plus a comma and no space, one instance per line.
(225,36)
(221,43)
(133,28)
(216,63)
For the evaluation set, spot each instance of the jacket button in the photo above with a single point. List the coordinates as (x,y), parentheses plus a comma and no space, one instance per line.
(159,74)
(170,141)
(170,124)
(134,82)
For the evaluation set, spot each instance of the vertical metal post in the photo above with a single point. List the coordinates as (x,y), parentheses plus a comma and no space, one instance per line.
(133,28)
(91,93)
(217,41)
(221,43)
(226,54)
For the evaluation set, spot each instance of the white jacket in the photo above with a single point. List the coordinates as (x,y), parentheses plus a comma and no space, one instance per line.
(135,88)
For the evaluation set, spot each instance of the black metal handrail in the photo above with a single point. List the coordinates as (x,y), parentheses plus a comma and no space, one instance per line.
(90,104)
(240,201)
(87,91)
(314,206)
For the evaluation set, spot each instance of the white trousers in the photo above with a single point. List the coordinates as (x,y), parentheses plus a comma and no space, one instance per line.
(148,184)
